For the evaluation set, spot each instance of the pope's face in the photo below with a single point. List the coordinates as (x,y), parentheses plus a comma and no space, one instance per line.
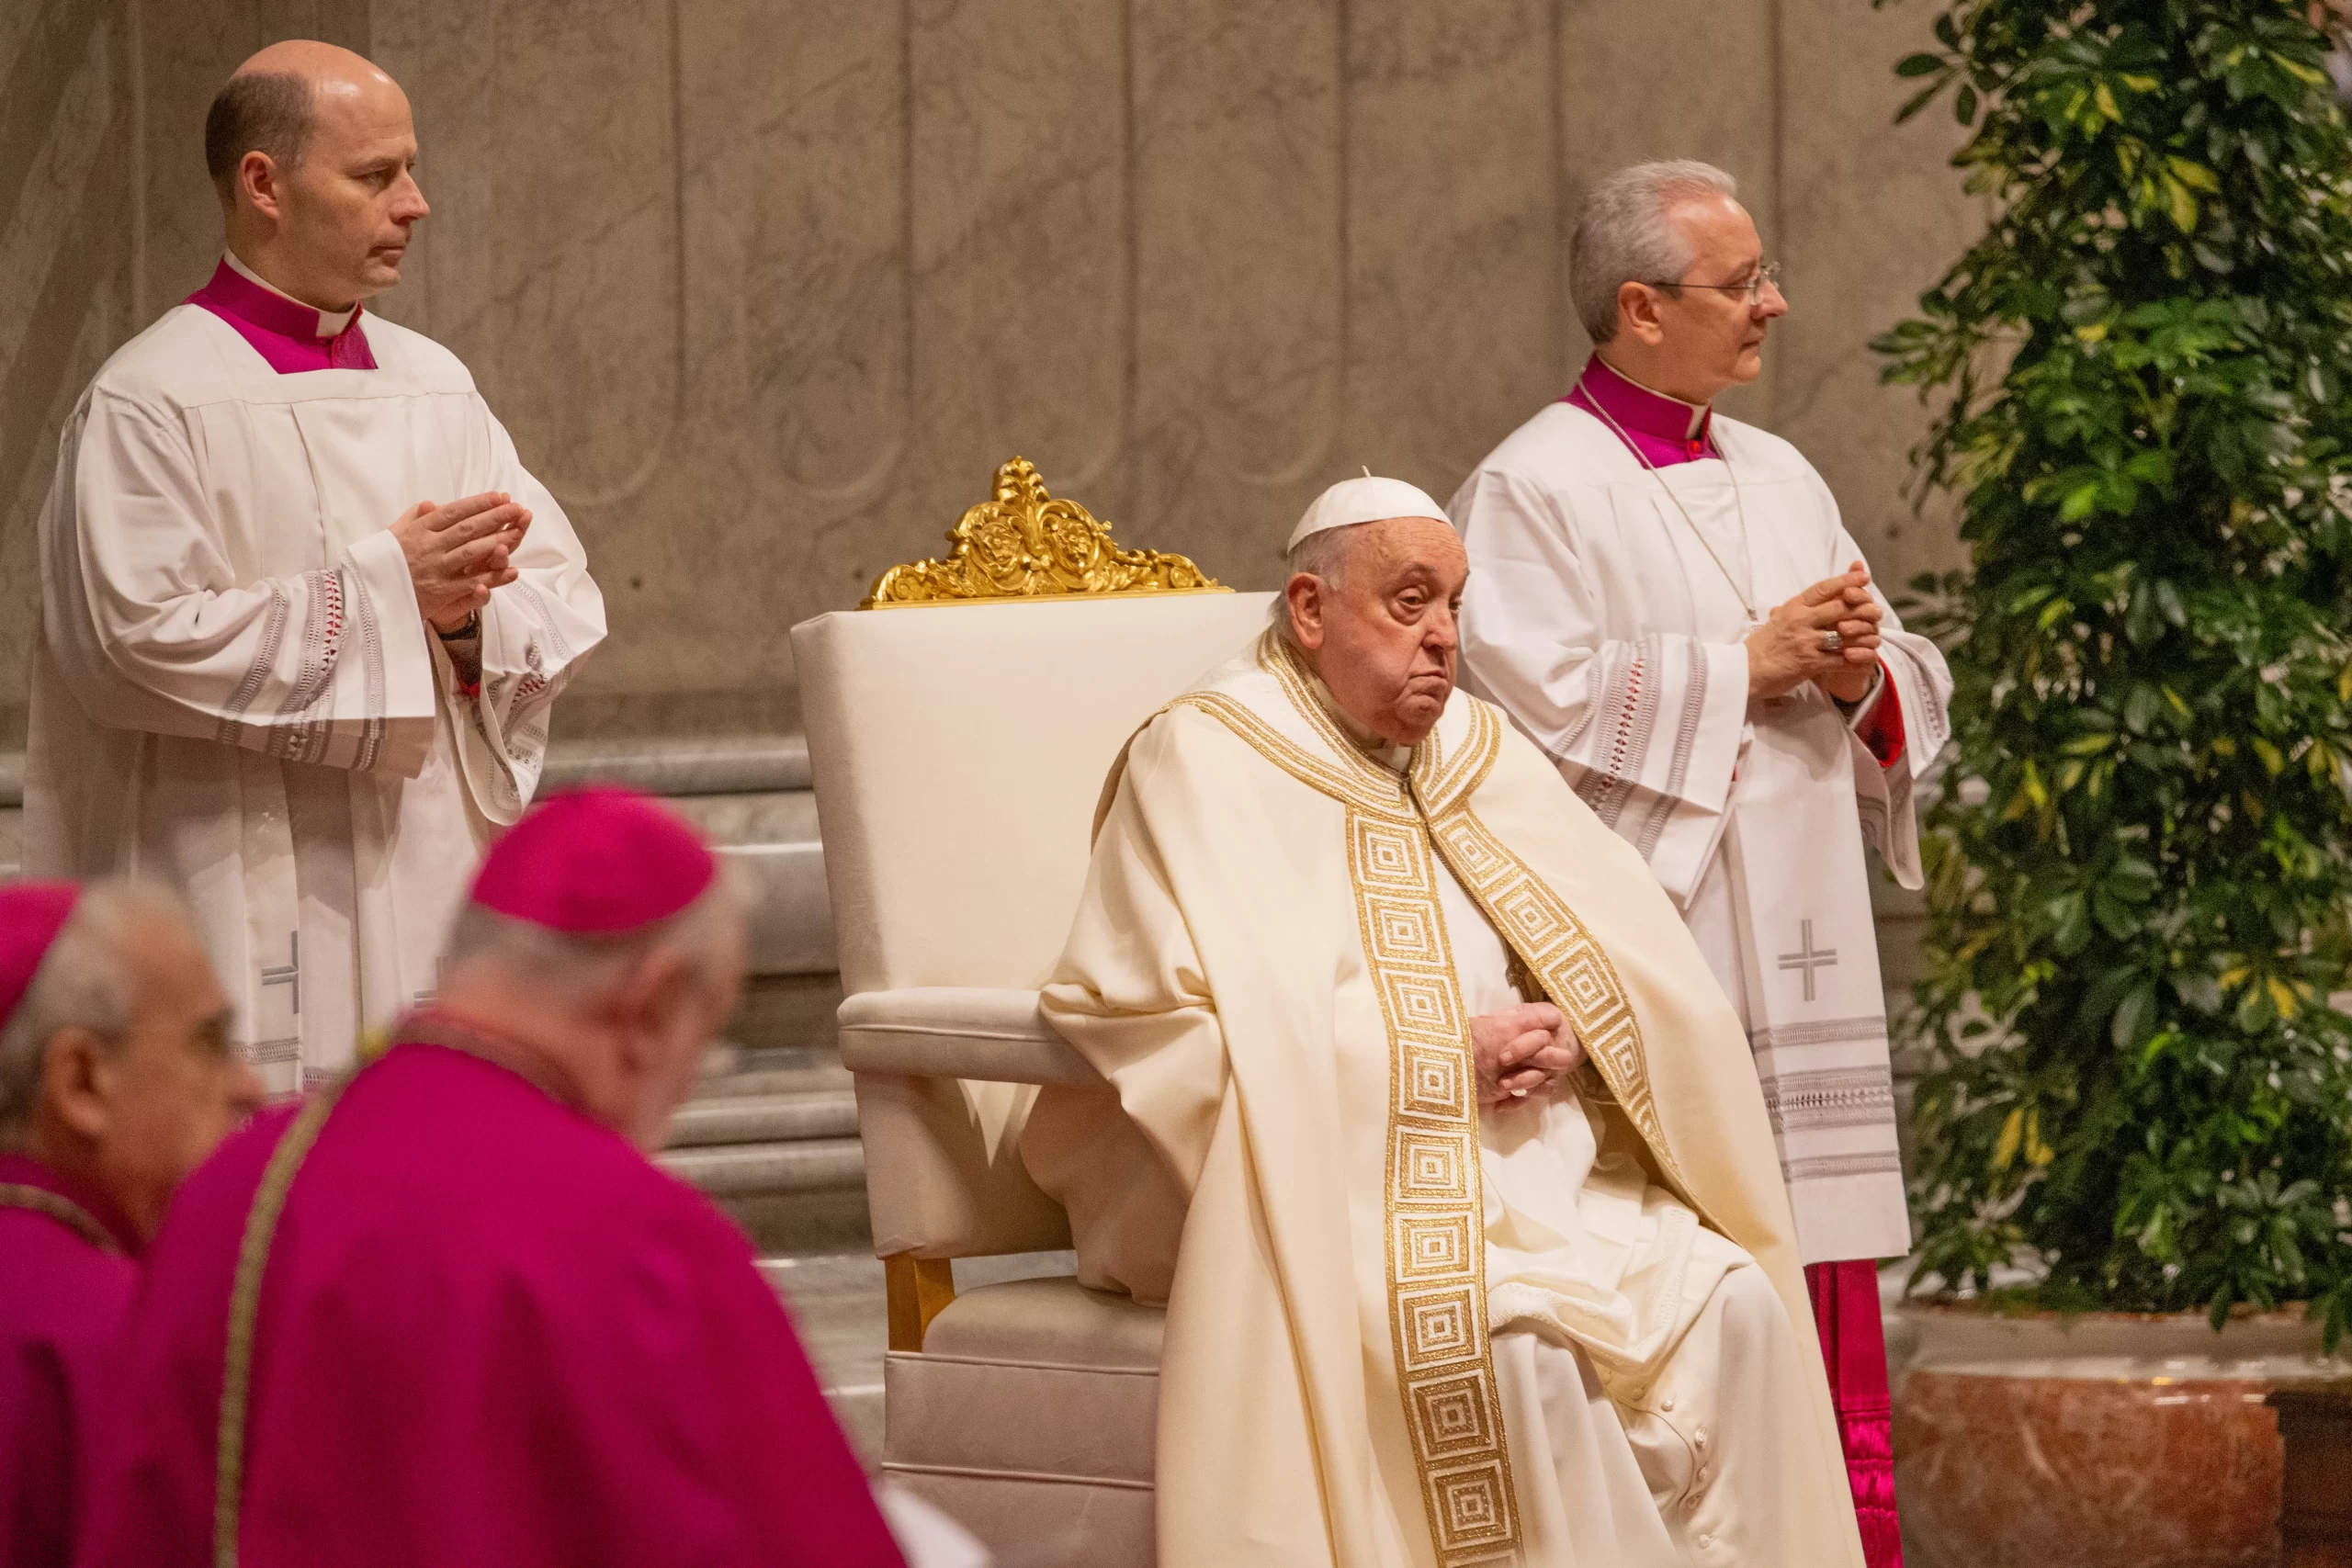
(1384,642)
(347,207)
(1708,338)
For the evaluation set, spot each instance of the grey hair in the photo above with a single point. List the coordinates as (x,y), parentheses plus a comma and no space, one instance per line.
(87,980)
(1623,234)
(1323,555)
(587,967)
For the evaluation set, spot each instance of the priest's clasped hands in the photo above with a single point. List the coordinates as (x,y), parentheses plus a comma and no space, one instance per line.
(1795,645)
(1522,1050)
(457,553)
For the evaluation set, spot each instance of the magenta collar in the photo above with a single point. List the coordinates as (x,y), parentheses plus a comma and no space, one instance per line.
(1665,430)
(23,1170)
(282,330)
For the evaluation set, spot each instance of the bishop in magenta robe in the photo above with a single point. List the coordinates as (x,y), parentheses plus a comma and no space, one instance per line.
(482,1327)
(69,1267)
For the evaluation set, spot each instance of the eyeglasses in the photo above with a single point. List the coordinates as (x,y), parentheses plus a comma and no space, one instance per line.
(1770,272)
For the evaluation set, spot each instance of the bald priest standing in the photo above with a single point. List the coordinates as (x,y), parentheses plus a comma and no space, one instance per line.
(304,611)
(1666,600)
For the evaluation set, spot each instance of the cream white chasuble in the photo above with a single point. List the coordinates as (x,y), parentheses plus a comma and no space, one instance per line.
(1611,634)
(235,693)
(1383,1318)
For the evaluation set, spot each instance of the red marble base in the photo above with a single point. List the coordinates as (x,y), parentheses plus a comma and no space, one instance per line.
(2104,1440)
(2087,1474)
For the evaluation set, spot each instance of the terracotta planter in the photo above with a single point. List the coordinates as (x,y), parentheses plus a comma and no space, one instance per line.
(2122,1439)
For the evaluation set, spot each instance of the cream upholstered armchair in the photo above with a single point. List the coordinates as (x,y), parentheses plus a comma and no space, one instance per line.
(960,726)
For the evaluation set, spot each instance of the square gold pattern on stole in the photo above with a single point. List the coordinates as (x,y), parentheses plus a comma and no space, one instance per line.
(1470,1506)
(1470,854)
(1456,1414)
(1434,1246)
(1439,1326)
(1528,915)
(1434,1082)
(1424,1004)
(1402,932)
(1390,855)
(1434,1167)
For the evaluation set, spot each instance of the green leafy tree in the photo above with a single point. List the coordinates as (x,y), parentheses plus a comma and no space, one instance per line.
(2140,869)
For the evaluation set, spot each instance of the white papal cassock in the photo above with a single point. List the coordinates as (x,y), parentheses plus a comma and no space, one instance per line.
(1597,619)
(235,692)
(1573,1332)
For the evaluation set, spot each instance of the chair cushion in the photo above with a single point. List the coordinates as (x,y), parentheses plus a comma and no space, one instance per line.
(962,1031)
(1037,1381)
(1055,1321)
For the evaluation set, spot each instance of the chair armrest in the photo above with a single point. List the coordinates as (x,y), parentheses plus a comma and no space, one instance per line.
(957,1032)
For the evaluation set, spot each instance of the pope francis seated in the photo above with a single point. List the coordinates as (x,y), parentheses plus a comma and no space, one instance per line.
(1426,1122)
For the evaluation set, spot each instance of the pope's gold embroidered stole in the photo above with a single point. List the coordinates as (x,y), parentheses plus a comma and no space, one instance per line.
(1398,829)
(1437,1243)
(1435,1207)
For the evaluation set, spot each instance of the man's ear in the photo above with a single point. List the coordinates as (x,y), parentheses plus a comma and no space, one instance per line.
(72,1091)
(259,182)
(1304,590)
(648,1001)
(1637,313)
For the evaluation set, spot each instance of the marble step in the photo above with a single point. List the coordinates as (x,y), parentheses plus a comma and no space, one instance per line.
(796,1116)
(682,765)
(749,794)
(771,1170)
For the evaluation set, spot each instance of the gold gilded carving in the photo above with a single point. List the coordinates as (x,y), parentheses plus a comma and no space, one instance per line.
(1025,544)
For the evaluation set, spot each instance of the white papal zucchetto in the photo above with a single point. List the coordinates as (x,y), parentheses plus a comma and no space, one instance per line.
(1365,500)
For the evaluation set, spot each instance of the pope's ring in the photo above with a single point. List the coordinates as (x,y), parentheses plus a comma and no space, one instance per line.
(1831,642)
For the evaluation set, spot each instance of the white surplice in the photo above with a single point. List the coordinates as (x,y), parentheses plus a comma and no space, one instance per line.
(1597,617)
(235,692)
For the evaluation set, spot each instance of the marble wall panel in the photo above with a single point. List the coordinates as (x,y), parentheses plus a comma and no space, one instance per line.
(68,150)
(1453,233)
(1871,214)
(1023,249)
(1241,302)
(766,289)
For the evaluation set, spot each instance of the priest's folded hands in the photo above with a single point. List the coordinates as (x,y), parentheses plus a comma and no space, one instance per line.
(1435,1297)
(457,554)
(1830,633)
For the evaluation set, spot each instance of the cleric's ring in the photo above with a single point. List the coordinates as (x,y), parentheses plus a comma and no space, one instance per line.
(1831,642)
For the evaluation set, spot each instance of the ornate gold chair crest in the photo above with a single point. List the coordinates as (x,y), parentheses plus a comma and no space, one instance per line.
(1024,544)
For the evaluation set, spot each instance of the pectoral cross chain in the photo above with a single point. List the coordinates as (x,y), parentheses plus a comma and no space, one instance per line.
(1808,958)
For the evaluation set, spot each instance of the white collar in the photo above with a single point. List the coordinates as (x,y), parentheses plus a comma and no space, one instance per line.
(331,322)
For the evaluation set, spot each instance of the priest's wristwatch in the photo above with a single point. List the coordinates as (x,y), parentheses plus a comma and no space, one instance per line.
(471,628)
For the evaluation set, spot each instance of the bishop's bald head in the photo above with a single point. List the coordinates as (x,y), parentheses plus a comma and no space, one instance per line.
(314,151)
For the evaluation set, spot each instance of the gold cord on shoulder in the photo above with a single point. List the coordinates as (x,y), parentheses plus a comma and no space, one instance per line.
(64,1209)
(245,1310)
